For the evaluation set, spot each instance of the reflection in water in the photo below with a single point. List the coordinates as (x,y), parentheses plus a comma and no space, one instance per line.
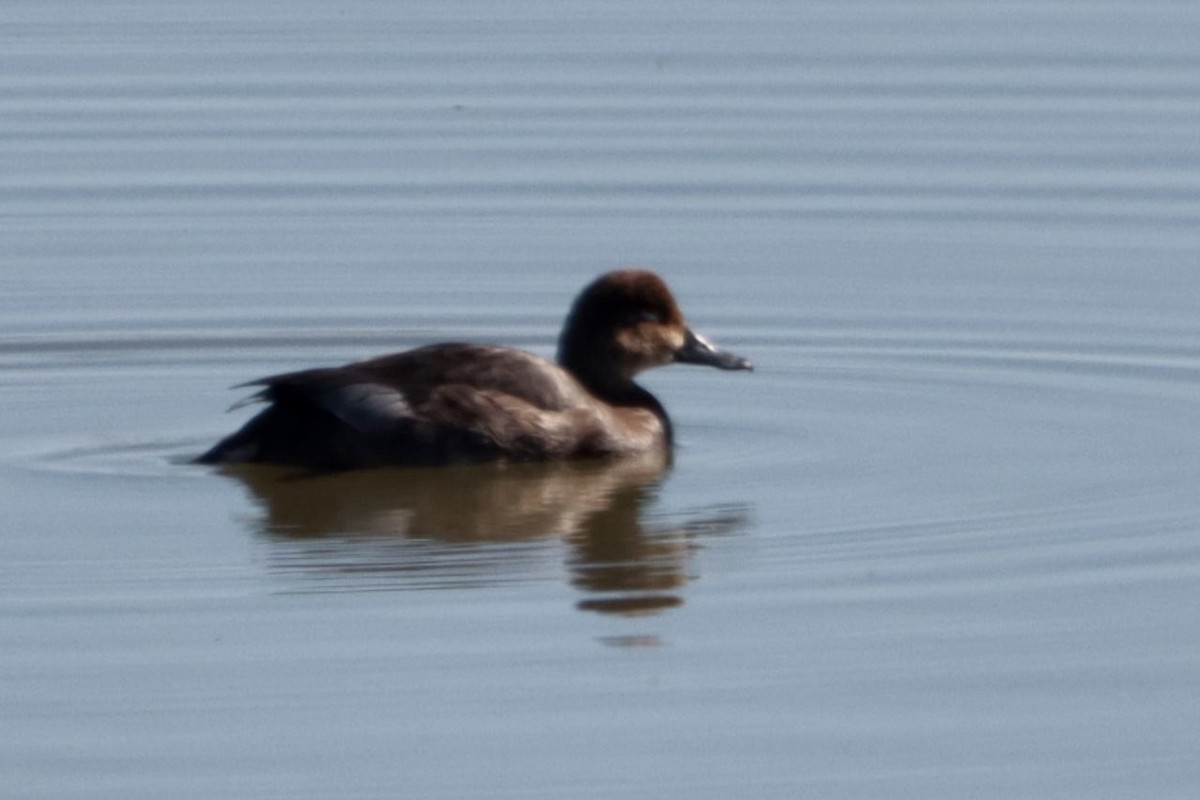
(483,524)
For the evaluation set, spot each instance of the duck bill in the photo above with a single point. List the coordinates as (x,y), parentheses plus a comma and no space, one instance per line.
(698,350)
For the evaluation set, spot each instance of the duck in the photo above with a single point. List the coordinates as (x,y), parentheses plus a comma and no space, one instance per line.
(458,402)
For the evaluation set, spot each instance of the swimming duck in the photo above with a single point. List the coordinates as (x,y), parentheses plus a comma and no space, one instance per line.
(455,402)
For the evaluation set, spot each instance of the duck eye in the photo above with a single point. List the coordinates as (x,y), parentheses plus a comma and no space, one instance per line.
(650,316)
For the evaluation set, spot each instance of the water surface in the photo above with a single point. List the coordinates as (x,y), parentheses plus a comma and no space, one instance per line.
(942,543)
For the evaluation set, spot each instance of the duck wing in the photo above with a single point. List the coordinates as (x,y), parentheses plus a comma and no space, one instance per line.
(374,396)
(436,404)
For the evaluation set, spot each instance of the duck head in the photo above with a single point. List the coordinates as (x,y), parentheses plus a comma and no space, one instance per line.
(627,321)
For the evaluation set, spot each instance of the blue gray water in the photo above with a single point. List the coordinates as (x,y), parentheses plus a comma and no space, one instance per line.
(944,542)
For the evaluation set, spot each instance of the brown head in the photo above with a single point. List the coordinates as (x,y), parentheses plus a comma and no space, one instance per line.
(628,321)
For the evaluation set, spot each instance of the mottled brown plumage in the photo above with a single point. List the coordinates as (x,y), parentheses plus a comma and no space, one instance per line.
(448,403)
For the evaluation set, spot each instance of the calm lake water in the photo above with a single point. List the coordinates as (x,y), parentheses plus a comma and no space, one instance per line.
(943,543)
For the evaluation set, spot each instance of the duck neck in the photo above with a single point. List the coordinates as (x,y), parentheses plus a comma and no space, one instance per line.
(639,397)
(620,392)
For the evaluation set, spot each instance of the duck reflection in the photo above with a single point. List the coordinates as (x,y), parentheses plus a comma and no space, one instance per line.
(484,524)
